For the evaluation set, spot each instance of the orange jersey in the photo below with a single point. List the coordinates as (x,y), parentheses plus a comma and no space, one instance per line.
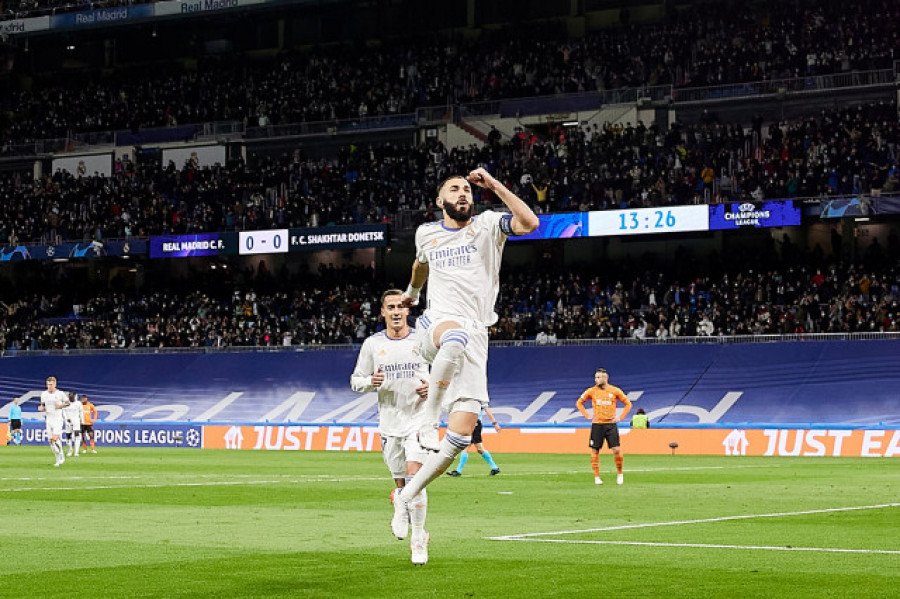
(604,403)
(88,413)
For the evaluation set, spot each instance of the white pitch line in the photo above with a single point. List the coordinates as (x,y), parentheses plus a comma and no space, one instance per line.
(507,473)
(148,486)
(325,477)
(192,476)
(192,484)
(704,546)
(702,521)
(71,477)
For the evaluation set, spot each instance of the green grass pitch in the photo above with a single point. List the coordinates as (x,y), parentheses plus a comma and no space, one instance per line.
(187,523)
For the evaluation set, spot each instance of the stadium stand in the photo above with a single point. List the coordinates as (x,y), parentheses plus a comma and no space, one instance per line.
(834,152)
(847,148)
(325,83)
(277,309)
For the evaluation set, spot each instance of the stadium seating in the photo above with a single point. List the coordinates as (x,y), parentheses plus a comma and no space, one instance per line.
(839,151)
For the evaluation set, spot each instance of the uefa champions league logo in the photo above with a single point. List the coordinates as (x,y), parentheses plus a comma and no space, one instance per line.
(193,438)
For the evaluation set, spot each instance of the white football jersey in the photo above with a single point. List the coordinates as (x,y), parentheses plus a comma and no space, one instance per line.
(72,413)
(463,267)
(399,406)
(50,400)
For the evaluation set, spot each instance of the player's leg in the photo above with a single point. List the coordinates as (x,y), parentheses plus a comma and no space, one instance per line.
(612,439)
(60,450)
(454,442)
(619,459)
(460,425)
(495,469)
(51,439)
(476,442)
(418,505)
(70,437)
(56,455)
(470,393)
(450,339)
(77,441)
(463,459)
(595,466)
(394,457)
(596,443)
(487,457)
(53,433)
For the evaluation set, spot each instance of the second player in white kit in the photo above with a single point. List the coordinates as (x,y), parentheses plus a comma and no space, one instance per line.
(72,415)
(389,363)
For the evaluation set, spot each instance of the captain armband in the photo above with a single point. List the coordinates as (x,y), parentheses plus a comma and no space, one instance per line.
(506,225)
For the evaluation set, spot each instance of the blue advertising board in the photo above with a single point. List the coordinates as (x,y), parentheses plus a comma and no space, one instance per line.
(126,434)
(85,249)
(197,244)
(841,382)
(672,219)
(776,213)
(565,225)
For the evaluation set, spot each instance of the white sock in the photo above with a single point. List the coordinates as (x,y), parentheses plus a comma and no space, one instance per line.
(54,450)
(77,443)
(444,367)
(451,446)
(418,507)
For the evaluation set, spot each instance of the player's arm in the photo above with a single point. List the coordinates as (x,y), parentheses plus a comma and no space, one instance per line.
(416,282)
(620,395)
(422,374)
(362,378)
(580,405)
(524,220)
(493,420)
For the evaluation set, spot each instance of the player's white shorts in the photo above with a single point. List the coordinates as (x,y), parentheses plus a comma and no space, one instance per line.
(471,383)
(54,427)
(396,451)
(73,426)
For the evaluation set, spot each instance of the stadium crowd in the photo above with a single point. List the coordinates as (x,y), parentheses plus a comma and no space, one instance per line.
(839,151)
(339,305)
(691,48)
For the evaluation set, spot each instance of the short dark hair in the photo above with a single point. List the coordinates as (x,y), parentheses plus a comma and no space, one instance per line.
(444,182)
(600,370)
(390,292)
